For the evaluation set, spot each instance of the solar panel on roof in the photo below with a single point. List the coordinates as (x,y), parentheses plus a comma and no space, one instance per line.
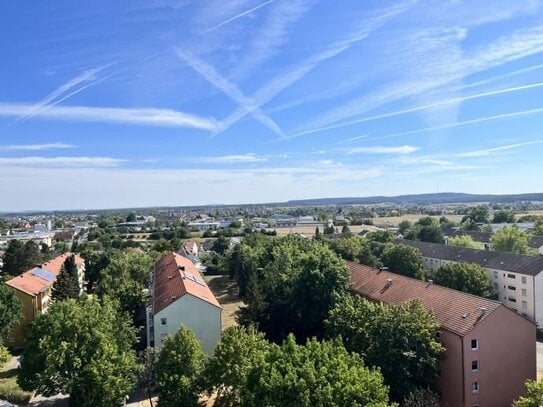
(44,274)
(190,276)
(200,281)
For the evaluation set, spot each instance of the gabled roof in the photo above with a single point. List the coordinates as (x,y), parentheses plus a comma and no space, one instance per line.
(38,279)
(517,263)
(536,241)
(454,311)
(175,276)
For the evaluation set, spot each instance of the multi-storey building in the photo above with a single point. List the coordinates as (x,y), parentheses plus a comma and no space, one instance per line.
(179,296)
(516,278)
(34,288)
(490,351)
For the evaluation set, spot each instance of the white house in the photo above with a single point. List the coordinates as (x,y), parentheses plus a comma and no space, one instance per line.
(516,278)
(179,296)
(191,247)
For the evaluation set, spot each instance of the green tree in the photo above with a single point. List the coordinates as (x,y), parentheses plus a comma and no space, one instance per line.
(125,279)
(400,340)
(221,245)
(510,240)
(430,230)
(348,247)
(95,263)
(81,349)
(318,235)
(314,374)
(404,226)
(10,309)
(464,241)
(67,284)
(533,397)
(148,362)
(503,217)
(131,217)
(345,231)
(467,277)
(383,236)
(421,398)
(239,350)
(403,259)
(20,257)
(476,215)
(180,363)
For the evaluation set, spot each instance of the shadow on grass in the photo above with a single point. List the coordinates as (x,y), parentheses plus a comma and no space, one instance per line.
(9,374)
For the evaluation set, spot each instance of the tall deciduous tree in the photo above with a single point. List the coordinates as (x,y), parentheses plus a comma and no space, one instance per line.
(80,349)
(67,284)
(239,350)
(180,363)
(400,340)
(533,397)
(467,277)
(510,240)
(503,217)
(314,374)
(403,259)
(125,279)
(10,309)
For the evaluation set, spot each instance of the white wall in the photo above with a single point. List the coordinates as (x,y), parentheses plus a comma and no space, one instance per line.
(200,316)
(503,282)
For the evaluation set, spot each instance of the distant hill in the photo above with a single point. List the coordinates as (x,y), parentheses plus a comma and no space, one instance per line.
(438,198)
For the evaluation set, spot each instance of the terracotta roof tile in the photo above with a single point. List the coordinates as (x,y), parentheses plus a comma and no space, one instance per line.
(174,276)
(32,283)
(455,311)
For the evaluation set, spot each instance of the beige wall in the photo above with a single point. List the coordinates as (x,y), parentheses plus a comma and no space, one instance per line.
(507,358)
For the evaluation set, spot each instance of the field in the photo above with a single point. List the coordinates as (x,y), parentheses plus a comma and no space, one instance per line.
(226,292)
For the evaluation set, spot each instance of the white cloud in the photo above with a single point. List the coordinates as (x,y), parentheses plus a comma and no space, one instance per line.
(230,159)
(520,44)
(284,81)
(405,149)
(489,151)
(36,161)
(86,76)
(143,116)
(35,147)
(209,73)
(242,14)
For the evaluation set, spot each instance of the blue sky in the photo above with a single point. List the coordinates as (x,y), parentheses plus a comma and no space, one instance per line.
(157,102)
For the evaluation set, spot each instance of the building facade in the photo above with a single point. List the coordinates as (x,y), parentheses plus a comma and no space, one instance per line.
(34,289)
(179,296)
(490,349)
(516,278)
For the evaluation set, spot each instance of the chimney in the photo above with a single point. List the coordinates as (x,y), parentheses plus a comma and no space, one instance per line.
(482,311)
(389,282)
(430,282)
(383,269)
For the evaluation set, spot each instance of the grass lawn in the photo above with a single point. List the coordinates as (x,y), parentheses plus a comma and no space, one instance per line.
(10,390)
(226,292)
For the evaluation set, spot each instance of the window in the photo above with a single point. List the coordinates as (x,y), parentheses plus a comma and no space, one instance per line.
(475,387)
(496,286)
(163,321)
(474,365)
(512,299)
(524,292)
(524,305)
(523,280)
(495,274)
(509,275)
(512,287)
(474,344)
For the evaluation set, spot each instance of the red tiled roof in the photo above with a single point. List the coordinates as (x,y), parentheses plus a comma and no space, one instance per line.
(455,311)
(32,284)
(172,280)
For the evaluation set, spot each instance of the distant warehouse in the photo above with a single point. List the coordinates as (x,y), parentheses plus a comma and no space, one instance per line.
(490,349)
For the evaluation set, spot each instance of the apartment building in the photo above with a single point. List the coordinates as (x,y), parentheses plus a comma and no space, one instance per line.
(179,296)
(516,278)
(34,288)
(490,349)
